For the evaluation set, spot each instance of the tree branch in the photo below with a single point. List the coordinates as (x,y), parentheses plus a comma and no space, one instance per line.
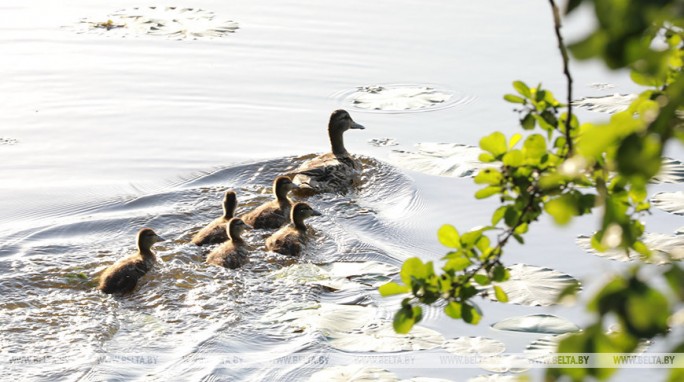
(566,71)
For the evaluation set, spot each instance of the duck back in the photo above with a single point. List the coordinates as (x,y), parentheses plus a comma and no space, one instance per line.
(123,276)
(228,255)
(213,233)
(287,241)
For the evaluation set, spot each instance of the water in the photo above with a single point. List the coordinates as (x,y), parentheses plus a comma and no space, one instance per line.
(103,135)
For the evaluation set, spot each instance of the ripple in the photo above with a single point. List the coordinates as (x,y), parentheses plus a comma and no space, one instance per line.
(401,98)
(170,22)
(184,307)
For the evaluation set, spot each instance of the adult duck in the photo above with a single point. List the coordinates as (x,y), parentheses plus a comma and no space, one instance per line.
(275,213)
(335,171)
(215,232)
(290,239)
(233,253)
(123,276)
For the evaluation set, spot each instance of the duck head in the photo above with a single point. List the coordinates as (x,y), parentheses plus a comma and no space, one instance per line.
(235,228)
(146,239)
(340,121)
(301,211)
(282,185)
(229,204)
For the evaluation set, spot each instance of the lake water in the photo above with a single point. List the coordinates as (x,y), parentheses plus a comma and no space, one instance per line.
(105,132)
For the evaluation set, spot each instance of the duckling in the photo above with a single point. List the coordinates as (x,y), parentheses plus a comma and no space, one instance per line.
(290,239)
(123,276)
(233,253)
(335,171)
(215,232)
(275,213)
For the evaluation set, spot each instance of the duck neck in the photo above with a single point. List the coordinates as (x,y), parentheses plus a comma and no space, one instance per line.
(298,223)
(281,196)
(236,239)
(337,142)
(145,252)
(228,211)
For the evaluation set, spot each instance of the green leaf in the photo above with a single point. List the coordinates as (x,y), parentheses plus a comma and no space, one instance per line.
(647,311)
(591,46)
(404,320)
(641,248)
(514,99)
(494,143)
(500,294)
(511,216)
(486,158)
(528,122)
(487,192)
(543,123)
(522,88)
(518,238)
(500,273)
(498,214)
(513,158)
(392,288)
(515,138)
(457,264)
(572,5)
(534,149)
(674,277)
(481,279)
(453,310)
(412,267)
(448,236)
(470,314)
(639,157)
(488,176)
(561,209)
(470,238)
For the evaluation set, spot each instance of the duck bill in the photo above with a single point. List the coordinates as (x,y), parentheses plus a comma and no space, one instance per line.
(159,238)
(315,213)
(355,125)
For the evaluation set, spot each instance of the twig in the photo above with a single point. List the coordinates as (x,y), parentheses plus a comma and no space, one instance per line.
(566,71)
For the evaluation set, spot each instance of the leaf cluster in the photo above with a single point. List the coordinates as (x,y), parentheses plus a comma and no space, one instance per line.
(567,169)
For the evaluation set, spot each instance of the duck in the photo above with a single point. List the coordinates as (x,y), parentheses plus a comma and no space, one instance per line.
(290,240)
(334,171)
(232,253)
(123,276)
(275,213)
(215,232)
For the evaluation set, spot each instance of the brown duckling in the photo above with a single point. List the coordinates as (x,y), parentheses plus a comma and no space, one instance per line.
(123,276)
(275,213)
(233,253)
(215,232)
(335,171)
(290,239)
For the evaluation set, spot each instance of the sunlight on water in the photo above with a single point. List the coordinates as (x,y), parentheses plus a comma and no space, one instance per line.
(117,128)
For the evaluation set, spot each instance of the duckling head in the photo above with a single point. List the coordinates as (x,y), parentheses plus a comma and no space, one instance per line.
(235,228)
(301,211)
(229,204)
(146,239)
(282,185)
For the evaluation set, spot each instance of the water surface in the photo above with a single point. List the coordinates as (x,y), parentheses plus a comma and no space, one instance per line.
(113,134)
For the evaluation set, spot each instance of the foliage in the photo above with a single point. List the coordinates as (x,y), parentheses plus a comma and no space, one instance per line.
(566,170)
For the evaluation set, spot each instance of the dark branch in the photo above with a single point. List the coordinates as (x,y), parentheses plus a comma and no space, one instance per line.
(566,71)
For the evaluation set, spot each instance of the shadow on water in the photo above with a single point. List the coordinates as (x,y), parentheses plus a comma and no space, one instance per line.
(183,309)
